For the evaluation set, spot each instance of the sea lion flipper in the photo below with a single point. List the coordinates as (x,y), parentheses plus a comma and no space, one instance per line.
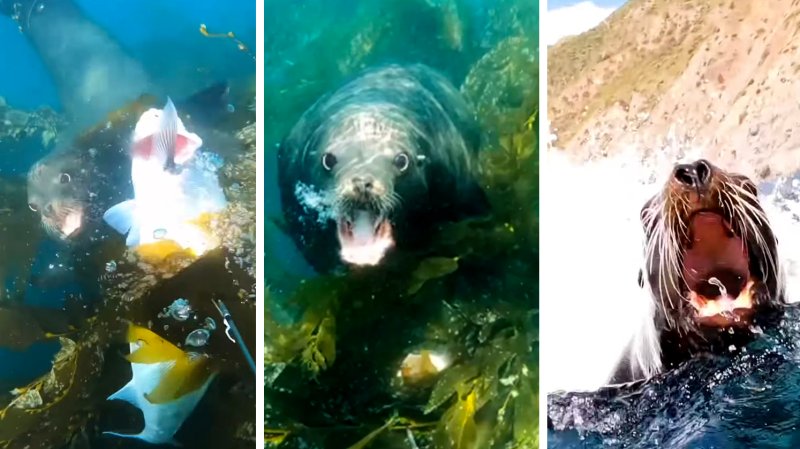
(120,216)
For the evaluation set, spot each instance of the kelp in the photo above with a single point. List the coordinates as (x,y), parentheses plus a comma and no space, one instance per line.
(334,376)
(307,58)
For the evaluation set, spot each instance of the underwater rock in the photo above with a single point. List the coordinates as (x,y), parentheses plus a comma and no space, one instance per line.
(16,124)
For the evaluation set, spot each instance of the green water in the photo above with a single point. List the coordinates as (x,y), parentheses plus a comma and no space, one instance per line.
(331,367)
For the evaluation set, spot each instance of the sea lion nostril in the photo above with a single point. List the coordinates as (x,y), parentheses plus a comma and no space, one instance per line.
(363,185)
(686,175)
(703,172)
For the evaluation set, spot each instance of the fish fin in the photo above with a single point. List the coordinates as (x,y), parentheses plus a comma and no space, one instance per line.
(154,348)
(138,436)
(165,139)
(142,148)
(126,394)
(120,216)
(134,235)
(183,378)
(186,144)
(135,436)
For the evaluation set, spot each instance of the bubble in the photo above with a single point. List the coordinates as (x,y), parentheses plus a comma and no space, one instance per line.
(111,267)
(159,233)
(210,324)
(230,108)
(179,310)
(198,338)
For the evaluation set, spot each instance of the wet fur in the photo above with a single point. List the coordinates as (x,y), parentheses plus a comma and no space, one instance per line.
(669,335)
(415,110)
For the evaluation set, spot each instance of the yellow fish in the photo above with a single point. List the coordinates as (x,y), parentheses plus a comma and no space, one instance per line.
(166,385)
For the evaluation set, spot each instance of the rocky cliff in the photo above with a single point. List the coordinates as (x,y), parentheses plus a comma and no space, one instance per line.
(723,76)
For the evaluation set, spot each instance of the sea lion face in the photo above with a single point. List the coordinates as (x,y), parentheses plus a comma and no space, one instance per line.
(365,164)
(711,256)
(56,193)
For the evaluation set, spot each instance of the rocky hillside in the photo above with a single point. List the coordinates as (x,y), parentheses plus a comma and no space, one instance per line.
(720,75)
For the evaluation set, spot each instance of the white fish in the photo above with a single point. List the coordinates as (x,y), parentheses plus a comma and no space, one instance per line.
(161,420)
(169,191)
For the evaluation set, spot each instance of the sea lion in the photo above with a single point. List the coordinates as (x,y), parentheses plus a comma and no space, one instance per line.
(92,72)
(375,166)
(711,267)
(73,186)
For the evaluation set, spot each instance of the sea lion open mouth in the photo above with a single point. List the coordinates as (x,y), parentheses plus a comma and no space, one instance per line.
(364,236)
(711,254)
(716,271)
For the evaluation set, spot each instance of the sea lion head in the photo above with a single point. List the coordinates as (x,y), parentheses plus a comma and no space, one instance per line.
(711,256)
(370,163)
(56,192)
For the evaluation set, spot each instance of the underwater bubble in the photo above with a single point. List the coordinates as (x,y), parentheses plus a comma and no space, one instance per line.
(159,233)
(230,108)
(210,324)
(111,267)
(180,310)
(40,7)
(198,338)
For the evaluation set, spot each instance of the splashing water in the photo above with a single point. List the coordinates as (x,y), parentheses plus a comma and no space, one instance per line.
(592,306)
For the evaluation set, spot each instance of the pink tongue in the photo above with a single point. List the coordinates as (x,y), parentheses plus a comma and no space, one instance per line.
(363,228)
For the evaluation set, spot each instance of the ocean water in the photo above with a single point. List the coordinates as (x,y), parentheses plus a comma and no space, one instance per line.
(338,343)
(46,279)
(745,401)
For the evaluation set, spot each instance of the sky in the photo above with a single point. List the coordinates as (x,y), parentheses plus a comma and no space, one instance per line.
(570,17)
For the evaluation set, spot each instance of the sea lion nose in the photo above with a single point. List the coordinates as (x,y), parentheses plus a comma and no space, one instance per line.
(363,184)
(695,175)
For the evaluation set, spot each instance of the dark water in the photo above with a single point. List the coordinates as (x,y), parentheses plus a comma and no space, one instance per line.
(335,341)
(741,402)
(43,273)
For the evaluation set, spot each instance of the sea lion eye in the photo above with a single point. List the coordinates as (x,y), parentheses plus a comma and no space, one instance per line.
(65,178)
(401,161)
(328,161)
(33,207)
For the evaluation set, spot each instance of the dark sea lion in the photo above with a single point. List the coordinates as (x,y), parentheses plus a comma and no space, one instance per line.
(377,165)
(92,72)
(711,266)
